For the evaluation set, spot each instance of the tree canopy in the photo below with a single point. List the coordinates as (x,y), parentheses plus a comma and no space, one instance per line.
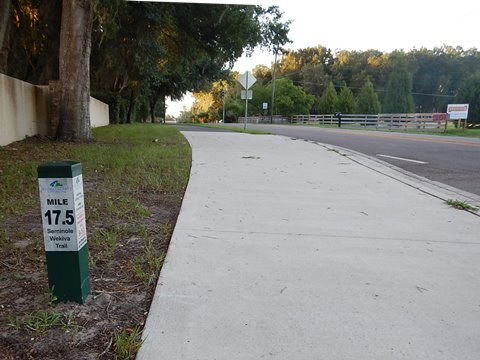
(398,98)
(141,51)
(367,102)
(469,93)
(420,80)
(145,51)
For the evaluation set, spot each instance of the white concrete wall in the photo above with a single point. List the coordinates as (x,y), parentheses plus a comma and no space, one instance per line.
(24,110)
(99,115)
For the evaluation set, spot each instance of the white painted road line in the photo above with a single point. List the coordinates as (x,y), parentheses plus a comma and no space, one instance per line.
(403,159)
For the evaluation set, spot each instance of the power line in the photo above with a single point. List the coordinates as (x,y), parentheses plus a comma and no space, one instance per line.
(297,82)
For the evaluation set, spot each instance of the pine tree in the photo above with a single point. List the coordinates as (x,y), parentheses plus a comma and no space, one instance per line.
(328,101)
(367,101)
(399,98)
(345,101)
(469,93)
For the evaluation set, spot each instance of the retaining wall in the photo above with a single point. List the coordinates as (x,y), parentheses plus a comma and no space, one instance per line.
(24,110)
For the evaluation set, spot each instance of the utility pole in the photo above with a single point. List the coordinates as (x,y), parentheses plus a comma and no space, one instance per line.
(273,85)
(223,95)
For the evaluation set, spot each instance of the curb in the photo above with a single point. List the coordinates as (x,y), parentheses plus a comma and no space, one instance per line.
(430,187)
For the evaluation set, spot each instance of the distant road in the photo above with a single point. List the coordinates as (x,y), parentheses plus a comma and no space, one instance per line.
(454,161)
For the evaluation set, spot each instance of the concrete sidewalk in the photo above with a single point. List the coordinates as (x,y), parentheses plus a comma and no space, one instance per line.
(285,249)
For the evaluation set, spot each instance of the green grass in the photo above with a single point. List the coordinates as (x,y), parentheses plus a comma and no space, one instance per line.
(451,130)
(233,128)
(127,343)
(134,178)
(43,320)
(146,266)
(120,170)
(462,132)
(461,205)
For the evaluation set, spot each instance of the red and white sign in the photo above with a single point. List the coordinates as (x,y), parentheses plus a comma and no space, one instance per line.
(457,111)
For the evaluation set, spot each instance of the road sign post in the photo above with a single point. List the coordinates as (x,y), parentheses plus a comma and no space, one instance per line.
(64,229)
(246,80)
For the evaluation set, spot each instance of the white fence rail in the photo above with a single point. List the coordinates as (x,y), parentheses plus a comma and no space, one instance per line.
(419,121)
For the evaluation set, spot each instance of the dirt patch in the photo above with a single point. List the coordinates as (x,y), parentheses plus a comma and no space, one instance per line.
(126,254)
(118,299)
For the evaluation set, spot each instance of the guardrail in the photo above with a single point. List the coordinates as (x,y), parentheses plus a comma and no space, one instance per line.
(417,121)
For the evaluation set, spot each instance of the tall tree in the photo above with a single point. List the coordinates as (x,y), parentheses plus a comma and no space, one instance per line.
(291,99)
(173,48)
(30,50)
(328,101)
(263,74)
(314,79)
(469,93)
(345,101)
(399,98)
(354,67)
(367,101)
(5,11)
(74,69)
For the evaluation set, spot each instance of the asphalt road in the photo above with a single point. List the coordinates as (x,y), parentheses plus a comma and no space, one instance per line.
(451,160)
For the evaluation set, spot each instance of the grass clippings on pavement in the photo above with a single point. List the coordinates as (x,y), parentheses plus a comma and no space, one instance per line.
(134,180)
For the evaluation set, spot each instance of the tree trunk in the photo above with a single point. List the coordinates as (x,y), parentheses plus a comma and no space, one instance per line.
(153,103)
(47,64)
(5,12)
(164,108)
(131,104)
(74,71)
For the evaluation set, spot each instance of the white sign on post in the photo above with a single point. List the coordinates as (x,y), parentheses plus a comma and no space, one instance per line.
(247,80)
(63,213)
(245,93)
(457,111)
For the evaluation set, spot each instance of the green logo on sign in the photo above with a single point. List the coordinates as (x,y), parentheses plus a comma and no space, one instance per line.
(55,184)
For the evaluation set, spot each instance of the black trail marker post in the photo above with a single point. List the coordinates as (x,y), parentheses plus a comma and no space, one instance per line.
(64,229)
(339,117)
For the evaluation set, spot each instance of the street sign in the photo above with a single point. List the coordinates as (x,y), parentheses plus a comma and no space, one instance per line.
(244,93)
(265,106)
(457,111)
(247,80)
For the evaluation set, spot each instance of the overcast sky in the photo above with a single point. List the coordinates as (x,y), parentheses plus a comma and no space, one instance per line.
(371,24)
(377,24)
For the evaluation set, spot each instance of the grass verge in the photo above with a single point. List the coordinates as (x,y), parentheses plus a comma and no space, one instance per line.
(134,180)
(451,131)
(232,128)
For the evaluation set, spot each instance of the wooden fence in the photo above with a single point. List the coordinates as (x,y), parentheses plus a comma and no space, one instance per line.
(420,121)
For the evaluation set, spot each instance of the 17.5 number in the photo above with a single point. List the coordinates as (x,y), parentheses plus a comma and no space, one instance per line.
(53,217)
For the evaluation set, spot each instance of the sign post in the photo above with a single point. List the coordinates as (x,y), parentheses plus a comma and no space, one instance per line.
(458,112)
(264,107)
(64,229)
(246,80)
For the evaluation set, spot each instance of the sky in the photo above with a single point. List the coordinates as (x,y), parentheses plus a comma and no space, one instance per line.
(370,24)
